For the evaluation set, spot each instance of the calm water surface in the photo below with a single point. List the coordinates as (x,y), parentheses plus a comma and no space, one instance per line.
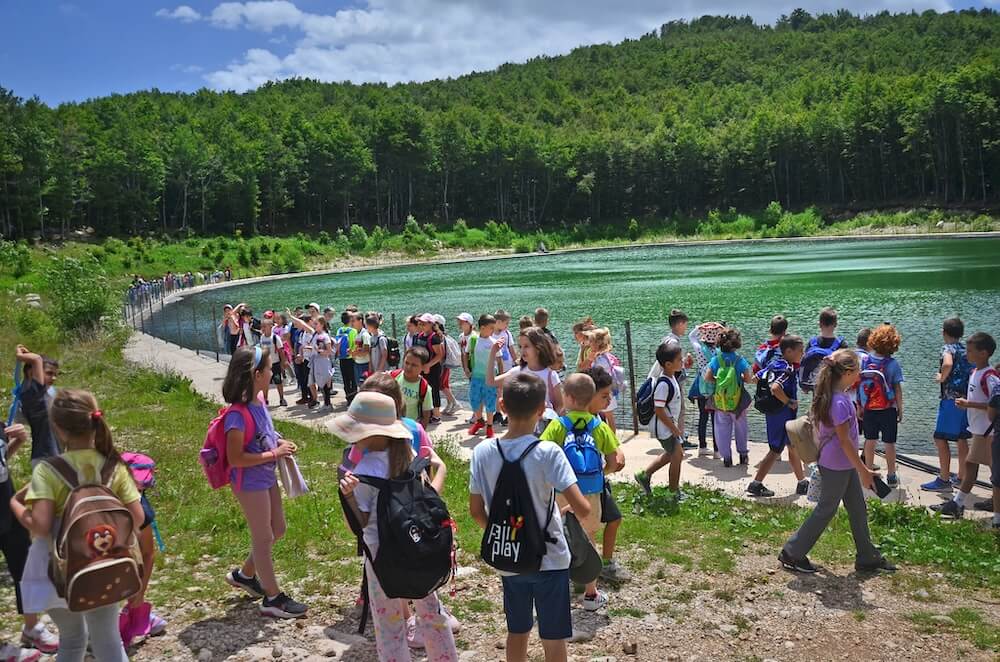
(915,284)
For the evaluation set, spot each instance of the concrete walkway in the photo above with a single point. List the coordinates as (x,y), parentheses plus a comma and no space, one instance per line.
(206,377)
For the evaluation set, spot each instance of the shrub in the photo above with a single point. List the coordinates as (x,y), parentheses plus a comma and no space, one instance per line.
(294,261)
(265,249)
(206,250)
(524,245)
(772,215)
(633,229)
(32,324)
(499,234)
(114,245)
(15,258)
(343,245)
(461,228)
(430,230)
(324,237)
(358,238)
(803,224)
(242,256)
(719,224)
(79,292)
(254,255)
(411,227)
(378,238)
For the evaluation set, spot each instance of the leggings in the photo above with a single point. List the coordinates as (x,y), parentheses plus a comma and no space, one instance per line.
(836,486)
(99,626)
(349,378)
(434,381)
(14,544)
(704,417)
(390,626)
(302,377)
(266,521)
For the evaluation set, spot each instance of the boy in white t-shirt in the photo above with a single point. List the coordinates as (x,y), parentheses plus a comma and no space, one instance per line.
(984,382)
(665,424)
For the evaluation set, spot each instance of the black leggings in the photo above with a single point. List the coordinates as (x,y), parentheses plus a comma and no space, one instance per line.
(347,376)
(434,381)
(14,545)
(302,377)
(704,417)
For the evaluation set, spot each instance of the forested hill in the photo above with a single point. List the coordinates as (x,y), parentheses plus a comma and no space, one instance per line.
(717,113)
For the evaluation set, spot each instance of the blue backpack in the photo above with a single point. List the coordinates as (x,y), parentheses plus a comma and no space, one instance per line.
(343,340)
(581,451)
(813,357)
(874,391)
(957,384)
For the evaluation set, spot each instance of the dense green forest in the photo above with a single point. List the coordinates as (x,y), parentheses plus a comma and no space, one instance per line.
(832,110)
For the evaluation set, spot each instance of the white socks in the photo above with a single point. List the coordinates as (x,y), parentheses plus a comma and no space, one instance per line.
(961,498)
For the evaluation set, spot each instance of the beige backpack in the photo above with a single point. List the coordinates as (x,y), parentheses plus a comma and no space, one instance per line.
(96,560)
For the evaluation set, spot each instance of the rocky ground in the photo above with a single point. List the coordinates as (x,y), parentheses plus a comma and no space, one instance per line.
(757,612)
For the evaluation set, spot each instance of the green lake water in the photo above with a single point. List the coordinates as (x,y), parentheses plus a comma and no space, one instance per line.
(915,284)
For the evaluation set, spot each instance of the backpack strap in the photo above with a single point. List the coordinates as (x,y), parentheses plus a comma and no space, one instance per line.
(108,471)
(63,469)
(249,432)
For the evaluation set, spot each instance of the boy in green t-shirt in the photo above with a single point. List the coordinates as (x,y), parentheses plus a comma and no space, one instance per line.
(578,391)
(417,402)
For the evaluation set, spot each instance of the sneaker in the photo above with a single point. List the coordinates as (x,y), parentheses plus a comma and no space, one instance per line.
(313,404)
(716,456)
(727,462)
(986,506)
(882,565)
(802,487)
(11,653)
(798,565)
(497,418)
(302,401)
(704,451)
(414,637)
(643,480)
(40,639)
(453,623)
(282,606)
(680,496)
(955,480)
(476,427)
(744,459)
(937,485)
(435,420)
(949,510)
(250,585)
(282,403)
(595,602)
(892,480)
(489,431)
(757,489)
(157,625)
(612,572)
(687,445)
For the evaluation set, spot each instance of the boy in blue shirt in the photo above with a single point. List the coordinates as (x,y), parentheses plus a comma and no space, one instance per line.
(783,386)
(952,422)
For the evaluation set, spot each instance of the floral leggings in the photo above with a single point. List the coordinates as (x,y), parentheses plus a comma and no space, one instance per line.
(390,626)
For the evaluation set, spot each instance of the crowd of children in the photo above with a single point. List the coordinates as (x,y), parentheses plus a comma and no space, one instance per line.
(530,488)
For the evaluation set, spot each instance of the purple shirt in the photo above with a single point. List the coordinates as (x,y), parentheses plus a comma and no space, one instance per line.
(831,454)
(262,476)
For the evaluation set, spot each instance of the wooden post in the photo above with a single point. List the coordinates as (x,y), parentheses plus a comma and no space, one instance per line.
(177,318)
(631,375)
(215,334)
(194,329)
(394,327)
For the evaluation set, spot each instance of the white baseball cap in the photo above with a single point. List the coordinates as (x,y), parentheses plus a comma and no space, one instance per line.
(439,319)
(466,317)
(314,305)
(426,317)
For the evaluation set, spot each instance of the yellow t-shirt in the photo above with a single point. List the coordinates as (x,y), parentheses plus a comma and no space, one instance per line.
(604,439)
(47,484)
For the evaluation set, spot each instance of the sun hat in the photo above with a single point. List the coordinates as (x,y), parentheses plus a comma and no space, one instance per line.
(426,317)
(709,332)
(440,319)
(585,563)
(466,317)
(313,305)
(370,414)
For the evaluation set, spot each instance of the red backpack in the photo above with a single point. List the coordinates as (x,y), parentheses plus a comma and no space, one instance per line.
(421,395)
(213,452)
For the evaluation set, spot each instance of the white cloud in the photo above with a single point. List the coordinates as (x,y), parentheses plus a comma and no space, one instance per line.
(182,13)
(413,40)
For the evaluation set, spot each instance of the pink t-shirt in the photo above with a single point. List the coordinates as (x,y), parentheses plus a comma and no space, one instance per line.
(831,455)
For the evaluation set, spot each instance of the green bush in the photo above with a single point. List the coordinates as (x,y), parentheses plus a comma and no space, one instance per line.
(79,291)
(803,224)
(343,245)
(254,255)
(461,228)
(358,238)
(411,227)
(772,215)
(430,230)
(15,258)
(33,324)
(114,245)
(633,229)
(294,261)
(524,245)
(242,256)
(726,225)
(378,238)
(324,237)
(499,234)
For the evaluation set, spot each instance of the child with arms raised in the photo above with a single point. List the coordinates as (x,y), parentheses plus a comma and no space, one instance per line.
(543,590)
(253,448)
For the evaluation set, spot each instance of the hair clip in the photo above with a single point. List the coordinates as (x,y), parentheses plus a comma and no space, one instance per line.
(96,414)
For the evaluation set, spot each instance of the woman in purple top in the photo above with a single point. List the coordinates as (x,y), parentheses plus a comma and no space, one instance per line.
(254,483)
(840,468)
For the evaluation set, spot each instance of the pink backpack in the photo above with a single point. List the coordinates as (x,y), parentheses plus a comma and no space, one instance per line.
(213,452)
(143,470)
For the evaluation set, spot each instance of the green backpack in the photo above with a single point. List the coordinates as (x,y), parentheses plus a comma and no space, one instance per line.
(728,386)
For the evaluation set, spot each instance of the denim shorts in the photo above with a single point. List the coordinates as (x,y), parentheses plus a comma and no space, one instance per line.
(881,423)
(482,395)
(952,422)
(544,593)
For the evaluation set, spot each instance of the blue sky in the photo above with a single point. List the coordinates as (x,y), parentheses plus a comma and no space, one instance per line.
(70,50)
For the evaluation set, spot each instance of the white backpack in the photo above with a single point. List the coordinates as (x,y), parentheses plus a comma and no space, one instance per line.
(452,354)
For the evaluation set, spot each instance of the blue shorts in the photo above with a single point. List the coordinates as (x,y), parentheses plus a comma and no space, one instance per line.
(545,593)
(880,422)
(777,436)
(952,422)
(481,394)
(149,515)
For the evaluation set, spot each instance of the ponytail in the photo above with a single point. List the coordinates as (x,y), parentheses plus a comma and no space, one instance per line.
(832,368)
(102,437)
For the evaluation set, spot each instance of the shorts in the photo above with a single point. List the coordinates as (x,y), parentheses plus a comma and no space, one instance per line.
(981,451)
(777,435)
(481,394)
(669,444)
(542,593)
(276,376)
(446,379)
(149,515)
(995,446)
(882,422)
(952,422)
(592,522)
(609,507)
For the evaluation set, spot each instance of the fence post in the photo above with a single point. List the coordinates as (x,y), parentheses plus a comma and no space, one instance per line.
(194,328)
(142,318)
(177,318)
(394,326)
(631,375)
(215,334)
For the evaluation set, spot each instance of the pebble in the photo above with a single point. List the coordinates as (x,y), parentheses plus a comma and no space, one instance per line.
(630,648)
(784,613)
(922,594)
(204,655)
(468,656)
(466,571)
(277,651)
(941,619)
(728,628)
(500,645)
(789,645)
(605,658)
(771,571)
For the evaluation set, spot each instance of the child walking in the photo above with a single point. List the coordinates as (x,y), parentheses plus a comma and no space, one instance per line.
(728,372)
(842,472)
(665,424)
(253,454)
(544,593)
(880,395)
(85,437)
(371,424)
(952,425)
